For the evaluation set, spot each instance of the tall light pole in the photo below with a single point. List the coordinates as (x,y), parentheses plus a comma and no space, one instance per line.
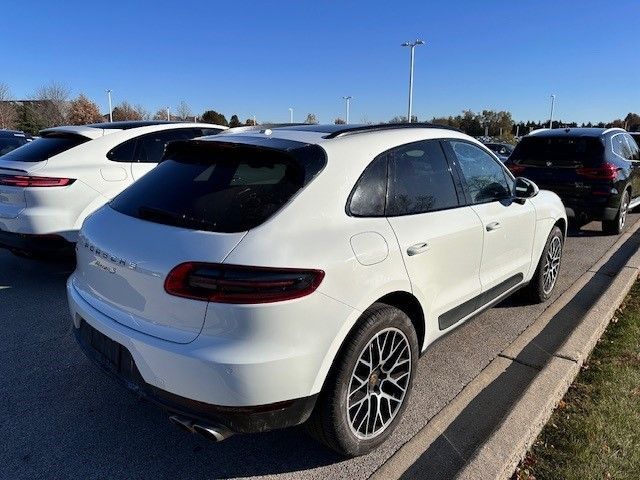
(168,115)
(110,109)
(290,115)
(413,45)
(553,102)
(347,101)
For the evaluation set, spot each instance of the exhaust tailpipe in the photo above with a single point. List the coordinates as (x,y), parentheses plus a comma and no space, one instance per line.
(215,434)
(182,423)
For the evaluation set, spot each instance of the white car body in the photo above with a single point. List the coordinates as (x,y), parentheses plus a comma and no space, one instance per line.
(245,355)
(60,210)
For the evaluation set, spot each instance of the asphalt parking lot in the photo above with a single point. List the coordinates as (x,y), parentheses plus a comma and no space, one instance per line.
(63,418)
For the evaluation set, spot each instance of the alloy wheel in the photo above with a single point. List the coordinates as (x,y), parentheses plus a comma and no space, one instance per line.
(379,383)
(551,265)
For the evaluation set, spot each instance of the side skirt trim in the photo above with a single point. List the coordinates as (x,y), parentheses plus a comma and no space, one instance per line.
(479,302)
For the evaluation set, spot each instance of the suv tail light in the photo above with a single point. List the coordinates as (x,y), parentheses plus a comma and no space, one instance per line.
(515,169)
(606,171)
(221,283)
(28,181)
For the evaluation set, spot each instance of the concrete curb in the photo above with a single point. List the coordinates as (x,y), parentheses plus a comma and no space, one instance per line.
(519,390)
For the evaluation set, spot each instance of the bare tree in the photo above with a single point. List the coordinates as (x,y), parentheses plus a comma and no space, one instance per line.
(142,112)
(161,114)
(183,112)
(126,111)
(311,118)
(83,111)
(53,104)
(8,113)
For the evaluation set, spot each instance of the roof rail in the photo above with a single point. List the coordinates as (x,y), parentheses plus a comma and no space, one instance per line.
(257,128)
(385,126)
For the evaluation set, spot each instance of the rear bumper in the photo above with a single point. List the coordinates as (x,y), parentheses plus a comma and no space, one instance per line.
(45,244)
(604,208)
(116,360)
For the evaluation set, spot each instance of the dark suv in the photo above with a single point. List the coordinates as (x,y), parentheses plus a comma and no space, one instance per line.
(595,171)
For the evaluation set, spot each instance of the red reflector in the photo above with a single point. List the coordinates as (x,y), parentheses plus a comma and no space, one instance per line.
(607,171)
(515,169)
(29,181)
(221,283)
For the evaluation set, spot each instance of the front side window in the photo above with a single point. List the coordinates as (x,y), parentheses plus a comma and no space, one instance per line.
(420,180)
(485,177)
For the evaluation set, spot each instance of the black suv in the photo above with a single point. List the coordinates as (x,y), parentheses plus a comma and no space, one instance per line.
(595,171)
(10,140)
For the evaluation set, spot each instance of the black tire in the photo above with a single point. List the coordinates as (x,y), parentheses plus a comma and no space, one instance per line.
(538,291)
(329,423)
(616,226)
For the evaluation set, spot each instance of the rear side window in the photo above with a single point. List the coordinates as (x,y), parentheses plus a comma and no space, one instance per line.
(420,180)
(151,147)
(558,151)
(45,147)
(220,188)
(370,193)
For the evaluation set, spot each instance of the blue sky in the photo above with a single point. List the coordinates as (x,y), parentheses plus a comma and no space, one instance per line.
(260,58)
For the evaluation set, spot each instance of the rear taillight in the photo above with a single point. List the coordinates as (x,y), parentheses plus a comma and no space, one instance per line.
(606,171)
(29,181)
(221,283)
(515,169)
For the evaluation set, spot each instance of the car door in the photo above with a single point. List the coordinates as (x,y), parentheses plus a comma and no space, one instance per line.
(508,225)
(439,236)
(150,148)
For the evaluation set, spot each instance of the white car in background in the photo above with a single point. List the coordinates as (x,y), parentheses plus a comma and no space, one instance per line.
(266,278)
(50,185)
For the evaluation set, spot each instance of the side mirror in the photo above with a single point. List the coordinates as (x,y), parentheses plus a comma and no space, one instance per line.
(525,188)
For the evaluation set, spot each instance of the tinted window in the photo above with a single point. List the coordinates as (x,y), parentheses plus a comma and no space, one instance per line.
(485,177)
(558,151)
(45,147)
(7,144)
(420,179)
(123,152)
(369,195)
(150,148)
(633,147)
(219,189)
(620,146)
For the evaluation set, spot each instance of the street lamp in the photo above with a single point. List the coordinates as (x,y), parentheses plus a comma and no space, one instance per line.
(168,115)
(413,45)
(290,115)
(110,109)
(553,102)
(347,101)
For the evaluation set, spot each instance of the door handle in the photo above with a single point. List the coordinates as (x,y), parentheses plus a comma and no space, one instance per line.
(417,248)
(493,226)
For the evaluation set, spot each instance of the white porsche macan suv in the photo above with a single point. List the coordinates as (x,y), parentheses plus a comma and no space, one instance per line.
(262,279)
(50,185)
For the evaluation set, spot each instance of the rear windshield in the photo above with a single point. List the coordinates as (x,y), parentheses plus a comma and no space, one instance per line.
(558,151)
(45,147)
(219,187)
(7,144)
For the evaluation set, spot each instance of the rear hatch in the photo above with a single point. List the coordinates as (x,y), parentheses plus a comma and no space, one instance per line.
(195,207)
(568,165)
(27,161)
